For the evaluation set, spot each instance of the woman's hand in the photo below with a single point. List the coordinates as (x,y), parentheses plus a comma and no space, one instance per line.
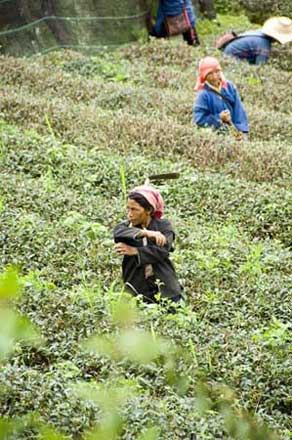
(225,116)
(124,249)
(156,236)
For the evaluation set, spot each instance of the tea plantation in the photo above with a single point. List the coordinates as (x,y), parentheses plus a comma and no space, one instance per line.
(77,132)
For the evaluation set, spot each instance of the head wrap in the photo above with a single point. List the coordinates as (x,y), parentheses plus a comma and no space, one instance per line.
(153,197)
(206,66)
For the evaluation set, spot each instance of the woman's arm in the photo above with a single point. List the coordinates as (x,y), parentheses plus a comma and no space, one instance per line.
(128,242)
(155,236)
(124,233)
(202,115)
(153,253)
(239,118)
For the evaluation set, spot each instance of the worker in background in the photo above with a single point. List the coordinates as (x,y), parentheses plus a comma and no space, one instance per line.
(218,104)
(255,46)
(176,17)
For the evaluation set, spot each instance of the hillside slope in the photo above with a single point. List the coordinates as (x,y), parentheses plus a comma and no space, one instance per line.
(76,133)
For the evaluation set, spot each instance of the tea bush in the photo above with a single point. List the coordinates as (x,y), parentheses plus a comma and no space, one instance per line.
(259,12)
(77,133)
(227,7)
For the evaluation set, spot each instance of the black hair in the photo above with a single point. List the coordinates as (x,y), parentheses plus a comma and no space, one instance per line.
(142,201)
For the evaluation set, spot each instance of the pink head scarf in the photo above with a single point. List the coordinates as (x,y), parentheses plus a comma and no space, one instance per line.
(206,66)
(153,197)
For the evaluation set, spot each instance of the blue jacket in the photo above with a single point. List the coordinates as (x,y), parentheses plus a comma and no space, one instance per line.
(172,8)
(254,47)
(209,105)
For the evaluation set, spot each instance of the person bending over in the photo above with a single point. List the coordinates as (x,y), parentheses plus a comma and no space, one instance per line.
(255,46)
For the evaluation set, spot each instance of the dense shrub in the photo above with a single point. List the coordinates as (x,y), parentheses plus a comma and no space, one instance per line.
(76,134)
(227,7)
(258,12)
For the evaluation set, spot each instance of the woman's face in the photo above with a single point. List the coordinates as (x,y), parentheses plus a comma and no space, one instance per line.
(214,78)
(137,215)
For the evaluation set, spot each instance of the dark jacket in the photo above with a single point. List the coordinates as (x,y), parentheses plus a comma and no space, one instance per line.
(133,267)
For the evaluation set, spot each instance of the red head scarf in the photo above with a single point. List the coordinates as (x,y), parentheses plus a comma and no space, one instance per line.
(153,197)
(206,66)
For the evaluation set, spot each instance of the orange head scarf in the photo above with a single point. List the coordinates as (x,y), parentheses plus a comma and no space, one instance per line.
(206,66)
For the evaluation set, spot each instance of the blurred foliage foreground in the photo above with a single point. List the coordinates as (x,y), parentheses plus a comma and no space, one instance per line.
(79,359)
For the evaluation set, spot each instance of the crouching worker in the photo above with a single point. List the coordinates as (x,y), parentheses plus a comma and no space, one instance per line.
(255,46)
(218,104)
(144,241)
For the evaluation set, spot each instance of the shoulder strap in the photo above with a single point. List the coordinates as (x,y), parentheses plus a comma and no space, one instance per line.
(239,36)
(222,96)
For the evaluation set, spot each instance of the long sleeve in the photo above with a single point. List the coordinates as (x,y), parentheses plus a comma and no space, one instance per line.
(159,22)
(152,253)
(134,267)
(239,116)
(127,234)
(202,115)
(191,12)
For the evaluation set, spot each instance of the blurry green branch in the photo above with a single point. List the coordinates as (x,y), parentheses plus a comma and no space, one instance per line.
(13,327)
(131,344)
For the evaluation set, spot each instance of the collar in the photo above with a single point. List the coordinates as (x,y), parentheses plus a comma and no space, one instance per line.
(217,89)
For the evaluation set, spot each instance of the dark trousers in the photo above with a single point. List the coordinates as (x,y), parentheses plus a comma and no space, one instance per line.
(149,297)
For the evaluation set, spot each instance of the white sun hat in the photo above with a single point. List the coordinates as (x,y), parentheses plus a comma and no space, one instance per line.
(279,28)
